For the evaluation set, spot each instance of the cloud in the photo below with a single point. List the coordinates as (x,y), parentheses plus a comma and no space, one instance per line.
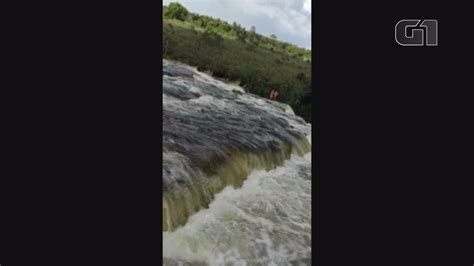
(292,16)
(289,20)
(307,6)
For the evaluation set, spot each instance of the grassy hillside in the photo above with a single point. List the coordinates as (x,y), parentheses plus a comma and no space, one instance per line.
(258,63)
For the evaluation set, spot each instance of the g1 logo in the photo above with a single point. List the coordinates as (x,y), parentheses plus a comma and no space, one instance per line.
(416,32)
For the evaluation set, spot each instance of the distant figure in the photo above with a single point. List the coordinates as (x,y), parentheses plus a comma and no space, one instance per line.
(273,95)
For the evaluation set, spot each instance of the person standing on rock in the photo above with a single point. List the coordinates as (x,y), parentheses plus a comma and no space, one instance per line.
(273,95)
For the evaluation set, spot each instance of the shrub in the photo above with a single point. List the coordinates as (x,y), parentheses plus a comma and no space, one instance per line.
(176,11)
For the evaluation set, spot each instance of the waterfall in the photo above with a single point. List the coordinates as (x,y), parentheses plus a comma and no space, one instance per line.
(214,135)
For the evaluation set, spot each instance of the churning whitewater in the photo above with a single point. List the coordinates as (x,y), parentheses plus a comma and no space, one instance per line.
(236,175)
(267,220)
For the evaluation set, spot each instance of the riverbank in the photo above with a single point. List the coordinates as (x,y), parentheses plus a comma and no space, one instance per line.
(258,66)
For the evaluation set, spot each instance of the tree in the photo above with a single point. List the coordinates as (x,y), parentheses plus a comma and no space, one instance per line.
(195,17)
(273,36)
(176,11)
(241,35)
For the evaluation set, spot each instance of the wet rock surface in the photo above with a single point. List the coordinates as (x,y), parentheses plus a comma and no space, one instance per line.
(206,124)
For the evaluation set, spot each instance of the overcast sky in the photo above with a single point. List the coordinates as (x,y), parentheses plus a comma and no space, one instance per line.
(289,20)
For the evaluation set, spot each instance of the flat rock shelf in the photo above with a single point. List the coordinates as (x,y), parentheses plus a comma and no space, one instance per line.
(214,135)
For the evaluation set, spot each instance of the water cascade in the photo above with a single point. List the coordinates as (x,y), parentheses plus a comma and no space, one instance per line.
(215,135)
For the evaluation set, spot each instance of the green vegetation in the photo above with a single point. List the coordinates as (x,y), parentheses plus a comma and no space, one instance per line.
(230,52)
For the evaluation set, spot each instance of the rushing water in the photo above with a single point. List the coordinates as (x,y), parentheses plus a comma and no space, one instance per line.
(266,221)
(236,175)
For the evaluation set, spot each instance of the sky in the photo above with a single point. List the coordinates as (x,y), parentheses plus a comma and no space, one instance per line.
(289,20)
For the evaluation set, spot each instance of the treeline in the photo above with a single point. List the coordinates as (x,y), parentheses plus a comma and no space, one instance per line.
(228,51)
(234,31)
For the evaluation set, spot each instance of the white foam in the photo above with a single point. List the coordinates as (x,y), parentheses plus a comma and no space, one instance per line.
(267,220)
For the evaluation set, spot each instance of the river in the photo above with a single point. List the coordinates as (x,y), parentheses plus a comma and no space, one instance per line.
(236,177)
